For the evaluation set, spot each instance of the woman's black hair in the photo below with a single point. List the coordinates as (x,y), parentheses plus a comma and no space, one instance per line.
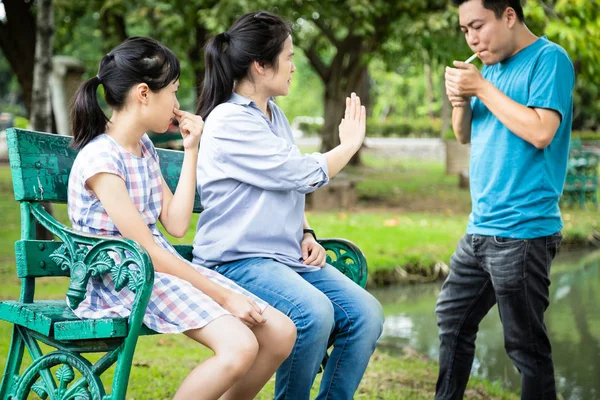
(258,36)
(136,60)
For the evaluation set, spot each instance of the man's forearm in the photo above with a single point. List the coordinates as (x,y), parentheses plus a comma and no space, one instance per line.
(521,120)
(461,123)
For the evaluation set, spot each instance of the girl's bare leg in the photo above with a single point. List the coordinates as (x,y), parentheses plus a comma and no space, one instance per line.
(235,348)
(276,339)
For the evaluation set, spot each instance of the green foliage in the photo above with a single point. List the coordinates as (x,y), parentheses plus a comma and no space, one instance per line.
(21,122)
(312,128)
(391,127)
(575,25)
(306,90)
(414,127)
(586,135)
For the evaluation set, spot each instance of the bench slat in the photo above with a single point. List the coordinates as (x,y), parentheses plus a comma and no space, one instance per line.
(33,258)
(55,319)
(90,329)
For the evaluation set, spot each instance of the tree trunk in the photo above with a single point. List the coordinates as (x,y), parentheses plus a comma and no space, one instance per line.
(41,106)
(196,56)
(364,91)
(429,90)
(335,105)
(346,75)
(113,27)
(446,111)
(17,41)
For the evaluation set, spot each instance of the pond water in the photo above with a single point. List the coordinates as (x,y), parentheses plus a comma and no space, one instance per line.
(573,322)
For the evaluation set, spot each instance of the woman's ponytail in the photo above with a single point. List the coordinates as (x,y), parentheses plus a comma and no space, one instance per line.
(218,77)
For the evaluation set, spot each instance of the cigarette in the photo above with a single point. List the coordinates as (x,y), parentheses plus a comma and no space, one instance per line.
(470,59)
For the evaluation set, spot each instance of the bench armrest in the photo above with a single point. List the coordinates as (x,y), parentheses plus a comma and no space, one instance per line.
(85,255)
(348,258)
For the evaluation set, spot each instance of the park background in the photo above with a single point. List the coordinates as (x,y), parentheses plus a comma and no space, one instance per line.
(404,200)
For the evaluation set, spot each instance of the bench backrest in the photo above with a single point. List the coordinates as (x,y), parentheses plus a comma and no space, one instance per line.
(40,164)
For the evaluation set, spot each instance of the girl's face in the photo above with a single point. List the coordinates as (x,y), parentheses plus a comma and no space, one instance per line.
(277,80)
(158,112)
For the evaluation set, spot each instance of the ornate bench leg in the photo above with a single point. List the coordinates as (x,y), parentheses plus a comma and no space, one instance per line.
(13,365)
(65,374)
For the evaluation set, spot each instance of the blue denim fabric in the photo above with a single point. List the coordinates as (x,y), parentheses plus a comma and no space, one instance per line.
(326,307)
(515,274)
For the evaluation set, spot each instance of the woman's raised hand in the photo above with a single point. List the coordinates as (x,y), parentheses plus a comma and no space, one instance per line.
(354,124)
(190,126)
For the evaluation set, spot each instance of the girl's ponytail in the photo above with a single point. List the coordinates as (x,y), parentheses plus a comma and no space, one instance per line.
(88,119)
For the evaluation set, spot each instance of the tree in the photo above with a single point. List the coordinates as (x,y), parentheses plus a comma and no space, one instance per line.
(17,41)
(183,26)
(433,41)
(575,25)
(340,38)
(41,105)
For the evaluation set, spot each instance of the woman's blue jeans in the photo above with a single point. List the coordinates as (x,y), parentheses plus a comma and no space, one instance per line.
(326,307)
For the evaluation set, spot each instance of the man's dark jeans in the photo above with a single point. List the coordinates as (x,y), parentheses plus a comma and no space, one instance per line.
(514,273)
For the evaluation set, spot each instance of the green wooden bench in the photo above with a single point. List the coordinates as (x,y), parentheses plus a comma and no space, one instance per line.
(40,164)
(581,184)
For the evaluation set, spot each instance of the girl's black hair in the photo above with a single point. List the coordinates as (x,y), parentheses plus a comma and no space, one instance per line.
(136,60)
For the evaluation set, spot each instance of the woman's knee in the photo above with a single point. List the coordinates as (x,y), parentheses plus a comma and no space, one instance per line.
(315,317)
(368,314)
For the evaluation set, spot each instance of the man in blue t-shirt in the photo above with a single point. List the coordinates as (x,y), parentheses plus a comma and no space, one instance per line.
(517,115)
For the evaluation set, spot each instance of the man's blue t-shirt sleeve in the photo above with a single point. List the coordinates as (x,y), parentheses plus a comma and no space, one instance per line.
(552,82)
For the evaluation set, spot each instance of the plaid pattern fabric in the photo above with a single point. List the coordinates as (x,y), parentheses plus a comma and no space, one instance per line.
(175,305)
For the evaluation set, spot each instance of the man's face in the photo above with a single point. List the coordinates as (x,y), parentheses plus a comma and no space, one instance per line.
(486,34)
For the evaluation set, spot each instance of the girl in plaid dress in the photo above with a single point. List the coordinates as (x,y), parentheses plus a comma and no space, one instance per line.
(116,188)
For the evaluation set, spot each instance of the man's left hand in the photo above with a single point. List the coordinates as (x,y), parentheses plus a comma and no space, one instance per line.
(465,80)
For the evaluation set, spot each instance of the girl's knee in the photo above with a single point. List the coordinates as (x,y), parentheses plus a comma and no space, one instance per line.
(281,335)
(286,338)
(237,357)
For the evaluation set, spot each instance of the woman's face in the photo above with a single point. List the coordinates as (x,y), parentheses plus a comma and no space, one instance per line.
(277,80)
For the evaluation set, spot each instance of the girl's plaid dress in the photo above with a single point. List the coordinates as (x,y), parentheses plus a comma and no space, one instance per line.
(175,305)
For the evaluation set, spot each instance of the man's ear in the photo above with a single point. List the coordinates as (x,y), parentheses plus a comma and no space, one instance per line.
(511,17)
